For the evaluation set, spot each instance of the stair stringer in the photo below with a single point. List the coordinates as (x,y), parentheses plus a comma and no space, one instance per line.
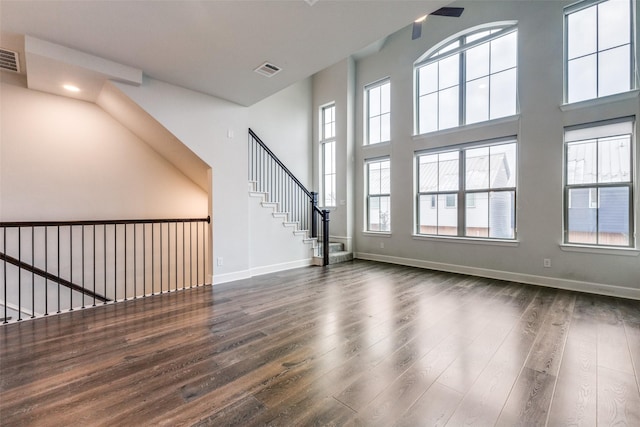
(276,243)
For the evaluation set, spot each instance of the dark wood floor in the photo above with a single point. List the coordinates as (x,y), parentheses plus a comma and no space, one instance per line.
(359,343)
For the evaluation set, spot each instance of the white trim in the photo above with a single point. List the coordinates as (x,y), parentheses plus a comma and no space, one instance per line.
(27,315)
(258,271)
(602,250)
(376,233)
(467,240)
(551,282)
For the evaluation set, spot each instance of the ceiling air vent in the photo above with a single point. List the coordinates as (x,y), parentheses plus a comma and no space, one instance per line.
(9,60)
(268,69)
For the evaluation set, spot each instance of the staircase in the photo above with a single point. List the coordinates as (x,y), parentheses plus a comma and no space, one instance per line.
(337,254)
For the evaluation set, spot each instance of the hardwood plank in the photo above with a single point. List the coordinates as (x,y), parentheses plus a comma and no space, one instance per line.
(360,343)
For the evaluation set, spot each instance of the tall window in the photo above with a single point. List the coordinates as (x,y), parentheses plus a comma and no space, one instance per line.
(598,49)
(378,181)
(470,79)
(378,104)
(328,155)
(599,184)
(468,192)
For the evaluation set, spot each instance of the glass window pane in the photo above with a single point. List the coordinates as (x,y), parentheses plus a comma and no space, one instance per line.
(385,98)
(477,168)
(448,171)
(613,24)
(581,33)
(504,52)
(428,120)
(329,198)
(428,173)
(427,216)
(503,94)
(477,102)
(477,36)
(582,219)
(385,213)
(428,76)
(454,44)
(447,217)
(385,127)
(374,130)
(477,215)
(374,101)
(581,162)
(614,159)
(613,216)
(582,78)
(385,177)
(614,71)
(449,71)
(502,214)
(503,166)
(374,214)
(448,113)
(477,62)
(374,178)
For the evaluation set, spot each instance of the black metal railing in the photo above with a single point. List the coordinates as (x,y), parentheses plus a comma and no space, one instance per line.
(50,266)
(272,177)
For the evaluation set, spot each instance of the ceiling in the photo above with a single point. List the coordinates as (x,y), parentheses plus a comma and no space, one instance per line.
(209,46)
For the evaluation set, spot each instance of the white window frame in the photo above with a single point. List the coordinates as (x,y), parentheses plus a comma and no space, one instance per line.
(379,195)
(579,7)
(462,192)
(328,145)
(445,50)
(380,115)
(596,132)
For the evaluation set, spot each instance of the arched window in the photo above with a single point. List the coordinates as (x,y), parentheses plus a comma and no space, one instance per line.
(468,79)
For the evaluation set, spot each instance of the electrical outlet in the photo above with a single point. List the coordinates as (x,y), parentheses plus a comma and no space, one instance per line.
(220,261)
(546,263)
(381,245)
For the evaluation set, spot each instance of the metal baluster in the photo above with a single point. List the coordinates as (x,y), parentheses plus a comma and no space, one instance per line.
(19,274)
(175,242)
(204,258)
(104,242)
(70,266)
(33,274)
(190,255)
(153,263)
(197,255)
(58,271)
(184,262)
(4,286)
(144,260)
(82,296)
(160,227)
(125,262)
(46,269)
(115,262)
(135,259)
(94,265)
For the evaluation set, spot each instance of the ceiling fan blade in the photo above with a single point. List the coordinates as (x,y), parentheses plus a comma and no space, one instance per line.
(417,30)
(454,12)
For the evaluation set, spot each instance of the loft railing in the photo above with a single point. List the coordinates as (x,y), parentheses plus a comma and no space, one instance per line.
(50,266)
(272,177)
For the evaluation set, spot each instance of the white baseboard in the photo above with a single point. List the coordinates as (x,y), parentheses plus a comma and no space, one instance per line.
(551,282)
(258,271)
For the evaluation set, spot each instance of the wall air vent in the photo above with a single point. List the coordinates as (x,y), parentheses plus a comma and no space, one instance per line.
(268,69)
(9,60)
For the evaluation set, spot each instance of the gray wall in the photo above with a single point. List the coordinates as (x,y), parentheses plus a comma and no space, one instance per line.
(539,129)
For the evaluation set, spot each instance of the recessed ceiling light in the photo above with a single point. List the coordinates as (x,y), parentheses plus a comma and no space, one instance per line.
(421,19)
(71,88)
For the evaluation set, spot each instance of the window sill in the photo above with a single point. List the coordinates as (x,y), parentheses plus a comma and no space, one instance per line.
(472,126)
(600,250)
(377,144)
(377,233)
(468,240)
(600,101)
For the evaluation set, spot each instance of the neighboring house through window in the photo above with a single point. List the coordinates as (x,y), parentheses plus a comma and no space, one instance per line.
(599,184)
(468,191)
(598,49)
(378,105)
(378,182)
(470,79)
(328,155)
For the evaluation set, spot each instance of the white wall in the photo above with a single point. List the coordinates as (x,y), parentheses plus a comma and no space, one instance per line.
(336,84)
(539,130)
(63,159)
(204,124)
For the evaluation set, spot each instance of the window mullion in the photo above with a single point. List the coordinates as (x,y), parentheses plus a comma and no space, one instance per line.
(462,92)
(462,202)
